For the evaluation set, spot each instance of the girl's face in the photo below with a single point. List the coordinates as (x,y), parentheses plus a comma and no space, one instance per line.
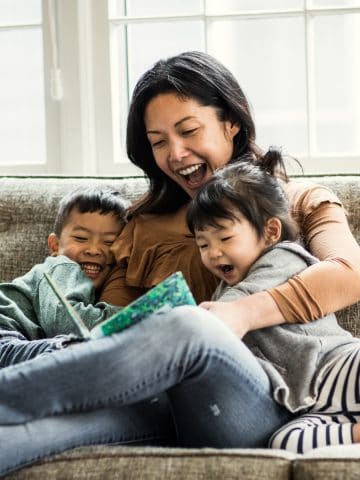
(188,140)
(230,249)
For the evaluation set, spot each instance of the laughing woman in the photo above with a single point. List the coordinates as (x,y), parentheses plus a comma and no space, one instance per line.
(187,118)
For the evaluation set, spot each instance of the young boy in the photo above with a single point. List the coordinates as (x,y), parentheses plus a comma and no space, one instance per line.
(244,232)
(32,320)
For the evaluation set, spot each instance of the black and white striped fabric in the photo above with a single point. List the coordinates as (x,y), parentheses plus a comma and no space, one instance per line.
(330,420)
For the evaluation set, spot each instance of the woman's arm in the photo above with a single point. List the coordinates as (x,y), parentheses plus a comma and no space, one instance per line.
(331,284)
(273,268)
(322,288)
(258,310)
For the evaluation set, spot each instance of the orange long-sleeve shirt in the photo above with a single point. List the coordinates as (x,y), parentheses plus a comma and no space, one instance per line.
(333,283)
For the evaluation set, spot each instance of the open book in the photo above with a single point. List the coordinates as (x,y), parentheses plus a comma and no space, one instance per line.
(171,292)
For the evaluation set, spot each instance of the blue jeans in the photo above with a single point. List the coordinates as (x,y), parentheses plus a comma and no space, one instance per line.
(111,390)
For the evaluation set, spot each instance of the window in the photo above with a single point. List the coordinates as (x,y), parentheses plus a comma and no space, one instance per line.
(22,112)
(298,62)
(70,68)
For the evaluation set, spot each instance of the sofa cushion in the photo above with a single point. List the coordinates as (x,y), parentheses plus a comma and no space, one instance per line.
(149,463)
(28,205)
(329,463)
(27,212)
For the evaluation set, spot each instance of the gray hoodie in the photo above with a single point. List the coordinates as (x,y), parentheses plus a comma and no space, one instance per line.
(295,356)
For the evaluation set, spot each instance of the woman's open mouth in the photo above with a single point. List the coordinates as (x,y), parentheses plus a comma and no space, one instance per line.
(194,175)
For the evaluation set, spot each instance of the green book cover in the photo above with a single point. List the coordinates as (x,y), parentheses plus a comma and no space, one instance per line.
(171,292)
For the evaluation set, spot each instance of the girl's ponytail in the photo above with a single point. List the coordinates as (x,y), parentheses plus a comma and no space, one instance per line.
(273,163)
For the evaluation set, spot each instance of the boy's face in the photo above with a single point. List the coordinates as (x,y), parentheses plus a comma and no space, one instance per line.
(86,239)
(230,249)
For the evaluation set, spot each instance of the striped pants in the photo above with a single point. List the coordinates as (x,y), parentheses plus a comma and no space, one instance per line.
(330,420)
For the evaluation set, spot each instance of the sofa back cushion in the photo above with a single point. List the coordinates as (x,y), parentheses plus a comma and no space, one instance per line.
(27,211)
(28,206)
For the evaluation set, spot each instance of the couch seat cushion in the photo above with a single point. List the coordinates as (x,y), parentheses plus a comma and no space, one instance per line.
(329,463)
(150,463)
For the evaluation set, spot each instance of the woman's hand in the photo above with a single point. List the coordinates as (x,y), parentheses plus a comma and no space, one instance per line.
(230,313)
(247,313)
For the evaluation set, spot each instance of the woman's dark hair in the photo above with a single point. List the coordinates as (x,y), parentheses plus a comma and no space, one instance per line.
(243,187)
(102,199)
(194,75)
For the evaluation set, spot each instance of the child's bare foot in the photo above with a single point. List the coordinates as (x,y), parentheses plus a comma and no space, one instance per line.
(356,432)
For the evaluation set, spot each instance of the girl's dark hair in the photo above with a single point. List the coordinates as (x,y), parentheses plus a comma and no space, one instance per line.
(193,75)
(243,187)
(102,199)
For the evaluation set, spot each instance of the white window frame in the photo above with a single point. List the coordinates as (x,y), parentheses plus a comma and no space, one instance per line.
(52,130)
(312,162)
(85,111)
(81,133)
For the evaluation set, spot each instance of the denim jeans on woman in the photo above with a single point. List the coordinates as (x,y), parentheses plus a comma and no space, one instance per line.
(111,390)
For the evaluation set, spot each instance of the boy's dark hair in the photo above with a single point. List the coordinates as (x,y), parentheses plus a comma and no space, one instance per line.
(250,189)
(102,199)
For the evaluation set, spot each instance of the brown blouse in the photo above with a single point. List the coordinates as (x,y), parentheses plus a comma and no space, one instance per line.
(151,247)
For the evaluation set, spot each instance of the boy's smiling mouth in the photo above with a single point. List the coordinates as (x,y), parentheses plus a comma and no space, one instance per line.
(91,269)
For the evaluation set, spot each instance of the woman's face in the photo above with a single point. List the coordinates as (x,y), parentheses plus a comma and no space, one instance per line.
(188,140)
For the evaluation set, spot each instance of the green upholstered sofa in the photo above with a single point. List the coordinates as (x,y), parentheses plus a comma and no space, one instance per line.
(27,207)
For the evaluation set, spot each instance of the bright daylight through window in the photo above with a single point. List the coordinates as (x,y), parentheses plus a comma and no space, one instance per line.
(297,60)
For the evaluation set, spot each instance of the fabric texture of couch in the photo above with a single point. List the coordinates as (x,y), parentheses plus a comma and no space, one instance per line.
(27,207)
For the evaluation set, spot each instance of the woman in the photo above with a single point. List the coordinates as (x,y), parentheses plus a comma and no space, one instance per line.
(188,117)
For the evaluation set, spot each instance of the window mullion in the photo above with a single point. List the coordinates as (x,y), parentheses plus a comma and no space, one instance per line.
(52,107)
(86,80)
(310,87)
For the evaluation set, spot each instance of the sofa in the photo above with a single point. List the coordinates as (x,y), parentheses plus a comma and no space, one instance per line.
(27,206)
